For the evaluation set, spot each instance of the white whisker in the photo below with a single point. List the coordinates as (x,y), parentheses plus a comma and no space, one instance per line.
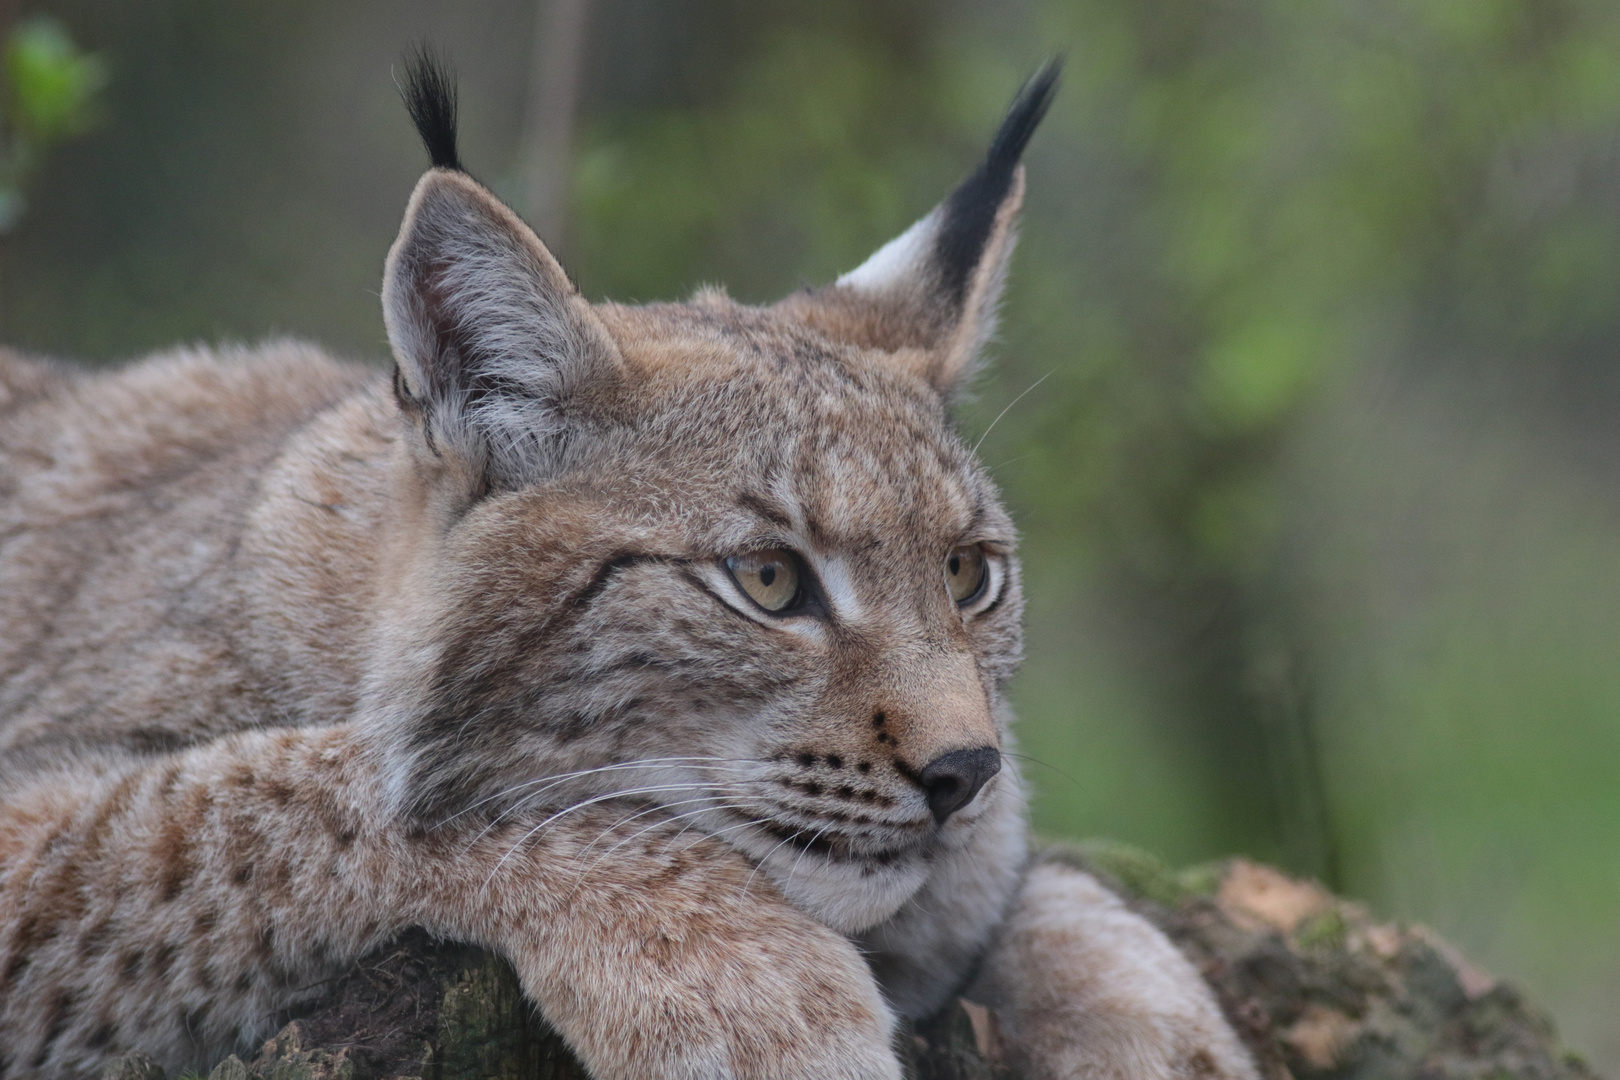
(1010,404)
(719,832)
(655,808)
(759,865)
(584,804)
(556,778)
(802,853)
(662,821)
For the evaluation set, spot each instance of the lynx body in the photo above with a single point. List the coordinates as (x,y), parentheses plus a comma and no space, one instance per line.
(662,649)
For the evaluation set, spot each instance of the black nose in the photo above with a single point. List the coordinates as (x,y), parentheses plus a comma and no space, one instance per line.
(952,779)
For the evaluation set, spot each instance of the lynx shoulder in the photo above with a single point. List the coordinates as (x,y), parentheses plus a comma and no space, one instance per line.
(661,648)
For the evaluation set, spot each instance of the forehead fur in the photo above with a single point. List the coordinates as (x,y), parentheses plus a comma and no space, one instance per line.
(713,335)
(816,436)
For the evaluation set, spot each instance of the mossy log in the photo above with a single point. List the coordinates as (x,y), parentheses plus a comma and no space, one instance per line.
(1318,989)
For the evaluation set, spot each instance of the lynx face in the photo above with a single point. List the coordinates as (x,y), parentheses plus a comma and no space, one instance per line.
(723,563)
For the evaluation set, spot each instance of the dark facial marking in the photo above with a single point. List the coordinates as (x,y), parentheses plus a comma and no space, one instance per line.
(850,819)
(602,578)
(760,507)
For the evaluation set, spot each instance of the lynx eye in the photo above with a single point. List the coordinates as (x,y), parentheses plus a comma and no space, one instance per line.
(965,572)
(769,577)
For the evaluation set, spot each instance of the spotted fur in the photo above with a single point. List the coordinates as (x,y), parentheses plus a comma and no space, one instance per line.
(295,656)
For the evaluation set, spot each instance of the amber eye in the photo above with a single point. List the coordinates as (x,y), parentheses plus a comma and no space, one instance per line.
(965,572)
(770,577)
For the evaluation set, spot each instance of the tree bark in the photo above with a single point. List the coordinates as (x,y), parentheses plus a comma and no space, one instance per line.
(1318,989)
(546,147)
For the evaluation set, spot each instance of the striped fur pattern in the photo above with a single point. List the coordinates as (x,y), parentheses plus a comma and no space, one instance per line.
(294,656)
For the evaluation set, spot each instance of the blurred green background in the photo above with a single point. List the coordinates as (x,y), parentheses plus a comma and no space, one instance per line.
(1307,385)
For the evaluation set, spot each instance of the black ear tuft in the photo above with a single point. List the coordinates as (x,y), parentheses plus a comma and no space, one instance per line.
(1023,117)
(971,210)
(430,98)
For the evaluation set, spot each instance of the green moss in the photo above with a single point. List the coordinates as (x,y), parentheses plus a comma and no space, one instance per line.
(1203,879)
(1136,871)
(1326,931)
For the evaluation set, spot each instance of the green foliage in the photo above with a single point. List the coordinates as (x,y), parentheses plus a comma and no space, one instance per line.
(51,92)
(821,145)
(1326,930)
(52,85)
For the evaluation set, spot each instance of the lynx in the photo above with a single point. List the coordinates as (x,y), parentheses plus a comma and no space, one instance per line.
(662,649)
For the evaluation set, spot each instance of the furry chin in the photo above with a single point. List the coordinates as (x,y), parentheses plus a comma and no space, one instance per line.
(844,898)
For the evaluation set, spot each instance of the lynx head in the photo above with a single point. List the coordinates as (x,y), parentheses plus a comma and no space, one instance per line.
(725,563)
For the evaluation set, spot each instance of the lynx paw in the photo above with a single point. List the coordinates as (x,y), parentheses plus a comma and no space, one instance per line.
(749,1017)
(1086,988)
(712,976)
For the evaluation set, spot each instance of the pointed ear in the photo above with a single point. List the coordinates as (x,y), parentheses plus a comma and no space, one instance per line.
(496,350)
(495,347)
(929,296)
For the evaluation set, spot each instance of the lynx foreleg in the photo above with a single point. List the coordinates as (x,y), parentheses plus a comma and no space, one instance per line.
(1085,988)
(177,907)
(675,961)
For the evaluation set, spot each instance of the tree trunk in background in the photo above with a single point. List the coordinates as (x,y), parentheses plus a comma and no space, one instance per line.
(1317,988)
(546,151)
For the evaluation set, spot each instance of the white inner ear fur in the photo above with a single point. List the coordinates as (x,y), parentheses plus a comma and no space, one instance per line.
(900,272)
(900,262)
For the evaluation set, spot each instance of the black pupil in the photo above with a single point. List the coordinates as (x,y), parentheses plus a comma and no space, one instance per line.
(767,574)
(955,565)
